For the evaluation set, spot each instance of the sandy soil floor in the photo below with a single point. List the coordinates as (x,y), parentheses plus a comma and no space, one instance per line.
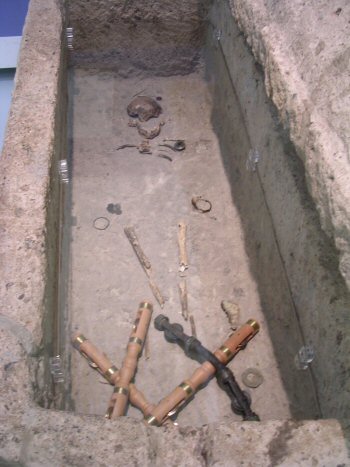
(153,194)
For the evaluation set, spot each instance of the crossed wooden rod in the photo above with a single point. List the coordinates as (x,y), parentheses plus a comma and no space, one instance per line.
(125,390)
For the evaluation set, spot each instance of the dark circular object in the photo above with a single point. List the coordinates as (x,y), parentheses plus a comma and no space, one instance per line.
(179,145)
(159,322)
(101,223)
(159,98)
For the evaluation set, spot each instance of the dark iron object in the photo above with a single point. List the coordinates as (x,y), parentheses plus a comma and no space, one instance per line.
(240,401)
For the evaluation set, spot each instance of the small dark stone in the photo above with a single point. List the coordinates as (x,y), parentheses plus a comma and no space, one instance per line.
(21,297)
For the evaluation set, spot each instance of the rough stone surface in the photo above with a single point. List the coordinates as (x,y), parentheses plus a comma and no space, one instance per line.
(29,191)
(304,50)
(295,262)
(140,37)
(41,438)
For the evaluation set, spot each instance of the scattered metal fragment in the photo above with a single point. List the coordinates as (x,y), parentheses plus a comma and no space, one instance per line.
(123,146)
(143,147)
(232,311)
(144,108)
(183,299)
(201,204)
(145,263)
(114,208)
(252,378)
(139,93)
(101,223)
(179,145)
(181,237)
(148,134)
(164,156)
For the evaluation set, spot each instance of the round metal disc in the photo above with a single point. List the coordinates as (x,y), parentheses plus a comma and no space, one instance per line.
(252,378)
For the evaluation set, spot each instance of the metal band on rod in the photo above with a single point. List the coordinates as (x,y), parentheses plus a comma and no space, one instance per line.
(120,390)
(127,371)
(136,340)
(187,388)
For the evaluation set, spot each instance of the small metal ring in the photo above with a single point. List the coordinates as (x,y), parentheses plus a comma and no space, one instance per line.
(225,350)
(147,305)
(195,203)
(110,372)
(120,390)
(136,340)
(187,388)
(254,324)
(104,226)
(179,145)
(151,420)
(78,341)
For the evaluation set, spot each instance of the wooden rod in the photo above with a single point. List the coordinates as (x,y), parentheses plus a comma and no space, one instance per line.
(100,362)
(133,351)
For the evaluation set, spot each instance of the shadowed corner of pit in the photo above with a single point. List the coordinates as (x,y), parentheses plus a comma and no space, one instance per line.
(345,426)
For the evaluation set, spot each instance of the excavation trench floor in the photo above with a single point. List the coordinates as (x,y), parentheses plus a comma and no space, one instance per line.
(106,281)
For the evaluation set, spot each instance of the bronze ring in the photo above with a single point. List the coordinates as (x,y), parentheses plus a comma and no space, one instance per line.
(108,414)
(110,372)
(78,341)
(136,340)
(206,204)
(101,223)
(254,324)
(226,351)
(120,390)
(147,305)
(151,420)
(187,388)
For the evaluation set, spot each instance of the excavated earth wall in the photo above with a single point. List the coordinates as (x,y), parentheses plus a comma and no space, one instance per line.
(302,50)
